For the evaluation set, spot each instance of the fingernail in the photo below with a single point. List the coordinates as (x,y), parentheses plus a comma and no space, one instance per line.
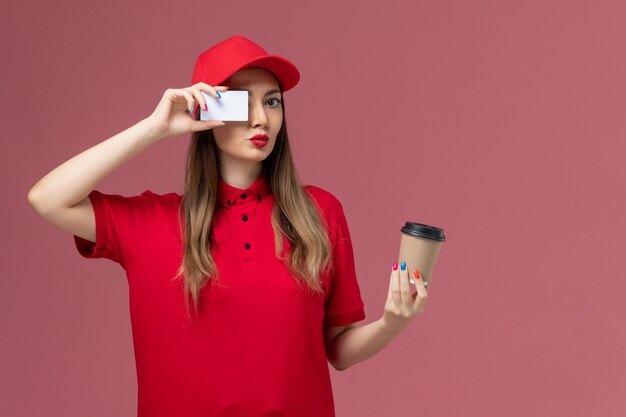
(191,109)
(218,94)
(395,266)
(205,107)
(416,274)
(403,266)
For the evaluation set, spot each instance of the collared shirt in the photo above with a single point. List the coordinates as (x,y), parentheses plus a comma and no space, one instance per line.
(256,346)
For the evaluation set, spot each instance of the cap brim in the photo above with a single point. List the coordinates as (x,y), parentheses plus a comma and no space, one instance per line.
(286,72)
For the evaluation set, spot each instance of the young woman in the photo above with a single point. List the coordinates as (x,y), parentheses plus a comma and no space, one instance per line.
(243,288)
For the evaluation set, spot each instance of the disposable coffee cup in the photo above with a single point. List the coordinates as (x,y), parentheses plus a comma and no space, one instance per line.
(419,248)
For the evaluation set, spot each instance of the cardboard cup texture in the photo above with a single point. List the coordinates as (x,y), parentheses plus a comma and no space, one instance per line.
(419,248)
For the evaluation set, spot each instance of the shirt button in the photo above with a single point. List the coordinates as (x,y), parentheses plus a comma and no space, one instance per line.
(245,218)
(228,202)
(244,195)
(247,246)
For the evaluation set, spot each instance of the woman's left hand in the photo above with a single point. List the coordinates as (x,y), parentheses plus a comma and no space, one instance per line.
(401,306)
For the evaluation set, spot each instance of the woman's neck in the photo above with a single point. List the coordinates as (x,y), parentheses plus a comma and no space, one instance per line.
(242,175)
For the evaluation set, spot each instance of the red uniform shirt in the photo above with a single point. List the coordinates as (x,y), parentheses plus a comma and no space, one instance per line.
(256,347)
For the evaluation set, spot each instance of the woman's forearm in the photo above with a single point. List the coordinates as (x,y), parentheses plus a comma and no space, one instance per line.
(73,180)
(359,343)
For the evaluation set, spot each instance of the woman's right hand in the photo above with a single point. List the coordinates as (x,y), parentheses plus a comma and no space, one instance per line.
(173,117)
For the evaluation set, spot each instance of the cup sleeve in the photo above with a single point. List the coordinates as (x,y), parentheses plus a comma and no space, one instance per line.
(120,227)
(344,304)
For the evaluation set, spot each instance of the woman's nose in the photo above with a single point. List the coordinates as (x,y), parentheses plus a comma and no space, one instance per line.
(257,114)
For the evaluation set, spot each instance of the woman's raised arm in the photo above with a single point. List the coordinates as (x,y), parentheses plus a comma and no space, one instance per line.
(61,197)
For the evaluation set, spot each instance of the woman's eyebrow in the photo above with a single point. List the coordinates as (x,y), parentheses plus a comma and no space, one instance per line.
(276,90)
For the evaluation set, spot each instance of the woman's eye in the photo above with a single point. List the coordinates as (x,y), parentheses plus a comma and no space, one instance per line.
(274,99)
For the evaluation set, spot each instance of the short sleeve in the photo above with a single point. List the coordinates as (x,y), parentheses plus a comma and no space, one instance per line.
(344,304)
(121,227)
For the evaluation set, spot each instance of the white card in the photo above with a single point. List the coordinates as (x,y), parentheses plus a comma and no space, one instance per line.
(232,106)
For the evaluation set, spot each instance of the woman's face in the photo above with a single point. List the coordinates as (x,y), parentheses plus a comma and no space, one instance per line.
(265,116)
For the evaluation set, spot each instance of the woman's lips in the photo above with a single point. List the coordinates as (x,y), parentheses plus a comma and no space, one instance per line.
(259,140)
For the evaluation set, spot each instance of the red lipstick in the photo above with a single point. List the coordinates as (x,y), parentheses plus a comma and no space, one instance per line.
(260,140)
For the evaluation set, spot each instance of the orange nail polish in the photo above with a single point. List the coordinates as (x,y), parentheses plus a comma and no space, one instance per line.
(416,274)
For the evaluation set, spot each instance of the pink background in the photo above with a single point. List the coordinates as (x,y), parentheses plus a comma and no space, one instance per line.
(501,122)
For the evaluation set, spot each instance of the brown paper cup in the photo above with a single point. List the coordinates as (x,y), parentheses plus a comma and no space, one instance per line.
(419,247)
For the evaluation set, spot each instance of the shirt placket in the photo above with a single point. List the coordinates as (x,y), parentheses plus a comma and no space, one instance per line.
(246,211)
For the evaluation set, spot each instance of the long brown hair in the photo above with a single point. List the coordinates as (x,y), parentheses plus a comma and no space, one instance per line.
(294,215)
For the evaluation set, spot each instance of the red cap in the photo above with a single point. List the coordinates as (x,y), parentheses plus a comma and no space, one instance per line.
(219,62)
